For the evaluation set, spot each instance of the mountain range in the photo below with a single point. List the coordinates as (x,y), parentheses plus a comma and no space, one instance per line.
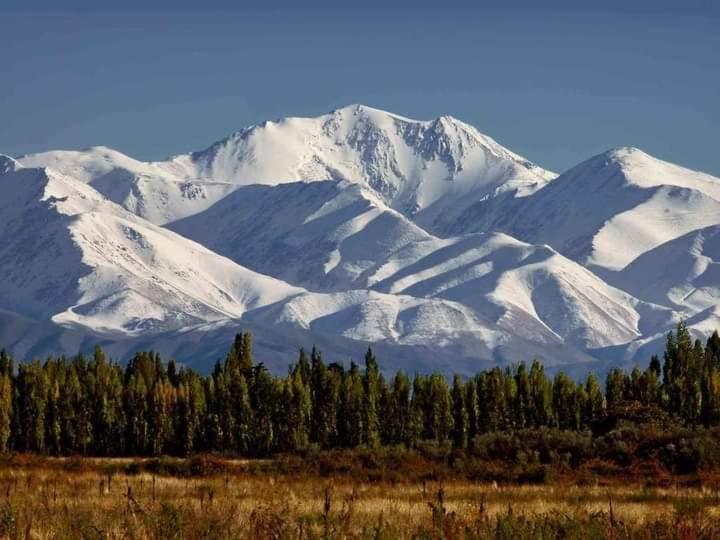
(426,239)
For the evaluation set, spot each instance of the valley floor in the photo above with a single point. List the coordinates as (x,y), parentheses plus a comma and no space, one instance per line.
(215,498)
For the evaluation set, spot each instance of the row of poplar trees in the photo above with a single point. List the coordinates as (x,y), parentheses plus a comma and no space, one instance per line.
(98,407)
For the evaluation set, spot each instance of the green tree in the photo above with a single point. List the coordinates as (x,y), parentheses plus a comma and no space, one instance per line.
(399,418)
(371,390)
(31,407)
(473,411)
(565,401)
(6,411)
(300,409)
(540,411)
(440,419)
(263,407)
(460,414)
(594,403)
(616,387)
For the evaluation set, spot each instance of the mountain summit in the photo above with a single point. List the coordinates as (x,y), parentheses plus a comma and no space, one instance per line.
(608,210)
(416,167)
(423,169)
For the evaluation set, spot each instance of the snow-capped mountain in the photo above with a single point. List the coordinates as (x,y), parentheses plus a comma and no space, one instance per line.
(339,237)
(420,168)
(157,192)
(319,235)
(425,238)
(526,289)
(683,272)
(76,265)
(608,210)
(71,256)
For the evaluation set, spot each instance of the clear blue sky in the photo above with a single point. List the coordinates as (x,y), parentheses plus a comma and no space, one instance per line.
(554,82)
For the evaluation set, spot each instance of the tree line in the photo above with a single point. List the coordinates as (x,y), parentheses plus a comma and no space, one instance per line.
(94,406)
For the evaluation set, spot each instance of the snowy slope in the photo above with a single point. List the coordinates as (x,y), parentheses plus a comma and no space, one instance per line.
(419,168)
(425,238)
(608,210)
(69,255)
(454,336)
(157,192)
(526,289)
(335,236)
(318,235)
(684,272)
(425,169)
(78,269)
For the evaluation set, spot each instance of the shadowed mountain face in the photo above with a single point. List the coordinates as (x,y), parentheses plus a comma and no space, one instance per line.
(425,238)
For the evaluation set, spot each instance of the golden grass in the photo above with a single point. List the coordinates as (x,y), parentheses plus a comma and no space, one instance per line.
(44,501)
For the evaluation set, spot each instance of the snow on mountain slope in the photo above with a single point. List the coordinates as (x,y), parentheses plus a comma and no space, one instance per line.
(455,336)
(77,268)
(608,210)
(527,289)
(428,170)
(335,236)
(318,235)
(684,272)
(424,238)
(415,167)
(155,191)
(69,255)
(276,346)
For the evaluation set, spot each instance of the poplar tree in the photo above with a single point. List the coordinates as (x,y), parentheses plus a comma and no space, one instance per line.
(300,409)
(594,402)
(399,419)
(616,387)
(440,406)
(471,404)
(460,414)
(263,403)
(371,388)
(541,395)
(6,410)
(353,414)
(565,402)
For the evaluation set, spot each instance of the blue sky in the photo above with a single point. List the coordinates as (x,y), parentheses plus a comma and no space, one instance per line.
(550,81)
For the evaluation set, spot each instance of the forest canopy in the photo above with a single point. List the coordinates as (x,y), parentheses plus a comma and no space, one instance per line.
(96,406)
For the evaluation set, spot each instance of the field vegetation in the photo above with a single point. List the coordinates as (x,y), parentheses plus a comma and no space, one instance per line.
(93,449)
(209,497)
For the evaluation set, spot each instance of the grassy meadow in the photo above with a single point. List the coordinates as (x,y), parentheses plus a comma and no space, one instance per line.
(212,498)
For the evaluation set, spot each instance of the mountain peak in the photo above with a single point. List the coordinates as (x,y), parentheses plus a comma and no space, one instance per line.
(361,110)
(624,153)
(413,166)
(358,109)
(616,161)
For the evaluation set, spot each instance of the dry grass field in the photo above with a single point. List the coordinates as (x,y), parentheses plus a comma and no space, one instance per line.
(55,498)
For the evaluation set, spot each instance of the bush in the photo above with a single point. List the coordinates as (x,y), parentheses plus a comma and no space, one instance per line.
(8,521)
(168,522)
